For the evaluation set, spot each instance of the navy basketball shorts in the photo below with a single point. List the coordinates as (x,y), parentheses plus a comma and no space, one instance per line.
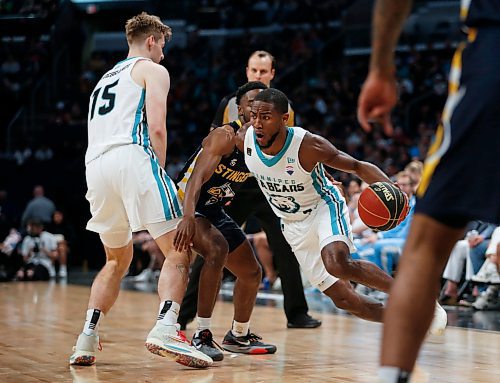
(225,224)
(461,179)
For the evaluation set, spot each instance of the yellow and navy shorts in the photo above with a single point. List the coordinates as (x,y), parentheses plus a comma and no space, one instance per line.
(461,179)
(229,229)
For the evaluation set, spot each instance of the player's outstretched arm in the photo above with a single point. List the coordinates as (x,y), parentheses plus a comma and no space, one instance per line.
(218,143)
(315,149)
(378,94)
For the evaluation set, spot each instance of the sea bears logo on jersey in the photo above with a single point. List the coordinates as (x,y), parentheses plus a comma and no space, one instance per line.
(286,204)
(218,193)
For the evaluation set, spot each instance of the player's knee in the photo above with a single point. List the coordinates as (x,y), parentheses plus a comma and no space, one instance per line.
(338,265)
(257,274)
(216,254)
(251,275)
(117,266)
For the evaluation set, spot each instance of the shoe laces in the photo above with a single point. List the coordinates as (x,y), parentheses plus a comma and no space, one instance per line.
(207,338)
(253,337)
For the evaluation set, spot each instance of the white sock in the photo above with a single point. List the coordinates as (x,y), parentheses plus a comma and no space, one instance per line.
(203,324)
(63,268)
(168,313)
(240,329)
(393,375)
(91,325)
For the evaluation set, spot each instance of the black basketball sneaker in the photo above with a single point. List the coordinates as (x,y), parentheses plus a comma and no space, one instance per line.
(203,341)
(248,344)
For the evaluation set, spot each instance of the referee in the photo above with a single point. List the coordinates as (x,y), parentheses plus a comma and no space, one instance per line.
(250,201)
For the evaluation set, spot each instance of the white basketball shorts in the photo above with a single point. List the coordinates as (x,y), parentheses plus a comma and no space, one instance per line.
(327,223)
(128,190)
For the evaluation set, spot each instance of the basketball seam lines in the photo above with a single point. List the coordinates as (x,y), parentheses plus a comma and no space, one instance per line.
(383,204)
(376,215)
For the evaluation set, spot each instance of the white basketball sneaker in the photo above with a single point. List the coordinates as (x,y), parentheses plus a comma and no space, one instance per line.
(167,341)
(439,322)
(85,350)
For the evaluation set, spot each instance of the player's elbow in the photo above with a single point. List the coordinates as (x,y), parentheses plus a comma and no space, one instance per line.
(158,131)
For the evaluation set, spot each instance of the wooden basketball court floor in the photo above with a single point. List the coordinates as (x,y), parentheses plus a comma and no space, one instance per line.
(39,323)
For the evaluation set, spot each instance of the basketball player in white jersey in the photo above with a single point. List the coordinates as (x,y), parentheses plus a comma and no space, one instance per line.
(128,189)
(288,165)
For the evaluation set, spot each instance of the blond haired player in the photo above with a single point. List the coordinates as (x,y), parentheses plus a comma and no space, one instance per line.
(128,189)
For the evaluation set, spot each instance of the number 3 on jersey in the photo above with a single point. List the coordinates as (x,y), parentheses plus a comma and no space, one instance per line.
(106,95)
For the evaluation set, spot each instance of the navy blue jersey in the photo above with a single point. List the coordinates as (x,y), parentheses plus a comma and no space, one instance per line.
(477,13)
(228,177)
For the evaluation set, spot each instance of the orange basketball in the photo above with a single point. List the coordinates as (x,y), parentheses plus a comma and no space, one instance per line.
(382,206)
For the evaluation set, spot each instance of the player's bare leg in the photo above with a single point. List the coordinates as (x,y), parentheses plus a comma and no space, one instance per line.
(103,294)
(211,244)
(243,264)
(411,300)
(175,270)
(339,263)
(106,285)
(213,247)
(343,295)
(164,339)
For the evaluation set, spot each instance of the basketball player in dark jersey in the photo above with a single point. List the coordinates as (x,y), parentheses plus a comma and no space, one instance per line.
(461,179)
(210,179)
(251,202)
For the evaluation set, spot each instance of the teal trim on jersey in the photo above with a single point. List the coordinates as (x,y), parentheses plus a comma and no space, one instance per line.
(128,58)
(334,201)
(156,170)
(274,160)
(337,197)
(171,194)
(333,222)
(138,114)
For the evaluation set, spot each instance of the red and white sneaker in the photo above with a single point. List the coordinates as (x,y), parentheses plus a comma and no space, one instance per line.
(85,350)
(248,344)
(168,341)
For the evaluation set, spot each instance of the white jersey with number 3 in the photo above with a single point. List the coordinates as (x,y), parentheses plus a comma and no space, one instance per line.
(313,212)
(116,111)
(292,191)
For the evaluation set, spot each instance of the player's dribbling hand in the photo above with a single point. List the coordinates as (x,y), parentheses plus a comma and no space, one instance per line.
(376,100)
(186,230)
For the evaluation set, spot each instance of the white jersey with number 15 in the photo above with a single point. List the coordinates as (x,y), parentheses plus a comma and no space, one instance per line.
(117,114)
